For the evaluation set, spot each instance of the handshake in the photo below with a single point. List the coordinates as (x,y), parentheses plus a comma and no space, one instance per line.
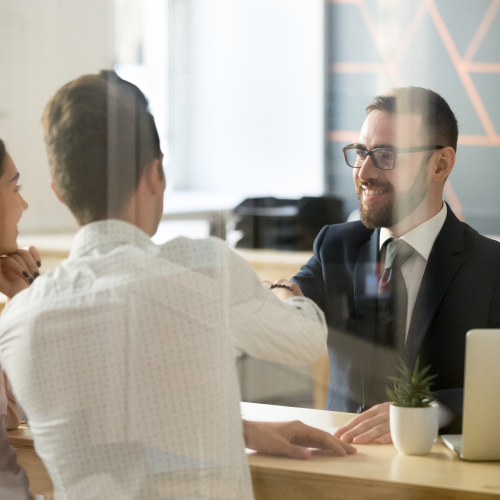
(283,289)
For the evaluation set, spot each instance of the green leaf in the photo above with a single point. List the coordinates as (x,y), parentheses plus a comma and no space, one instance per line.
(412,388)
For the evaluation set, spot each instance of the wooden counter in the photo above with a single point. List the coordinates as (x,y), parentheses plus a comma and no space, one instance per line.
(274,264)
(375,472)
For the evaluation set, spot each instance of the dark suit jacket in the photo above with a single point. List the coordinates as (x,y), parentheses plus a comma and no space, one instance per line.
(460,290)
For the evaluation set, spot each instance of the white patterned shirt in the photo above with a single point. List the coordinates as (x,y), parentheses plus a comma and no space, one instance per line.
(123,359)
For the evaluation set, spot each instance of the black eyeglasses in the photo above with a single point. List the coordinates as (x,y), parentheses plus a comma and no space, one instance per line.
(383,158)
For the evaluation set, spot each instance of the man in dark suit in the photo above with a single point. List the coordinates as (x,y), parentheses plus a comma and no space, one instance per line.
(449,275)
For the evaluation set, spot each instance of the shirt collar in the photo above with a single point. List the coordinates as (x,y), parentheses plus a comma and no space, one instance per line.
(105,232)
(422,237)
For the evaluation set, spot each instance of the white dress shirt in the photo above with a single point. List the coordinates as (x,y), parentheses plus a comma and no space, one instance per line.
(123,359)
(422,239)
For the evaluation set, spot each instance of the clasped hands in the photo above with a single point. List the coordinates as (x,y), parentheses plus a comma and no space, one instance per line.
(18,270)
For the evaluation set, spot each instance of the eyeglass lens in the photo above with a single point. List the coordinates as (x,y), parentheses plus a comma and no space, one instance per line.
(382,158)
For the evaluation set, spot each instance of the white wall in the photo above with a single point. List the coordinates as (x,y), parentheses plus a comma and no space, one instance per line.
(44,44)
(247,92)
(151,73)
(248,82)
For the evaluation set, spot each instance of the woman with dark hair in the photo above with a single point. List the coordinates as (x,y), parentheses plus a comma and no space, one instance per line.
(18,269)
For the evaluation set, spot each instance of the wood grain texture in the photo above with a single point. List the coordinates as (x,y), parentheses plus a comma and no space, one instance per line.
(321,374)
(376,471)
(277,485)
(40,483)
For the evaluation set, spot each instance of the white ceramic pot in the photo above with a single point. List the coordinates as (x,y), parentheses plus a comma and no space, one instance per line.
(414,430)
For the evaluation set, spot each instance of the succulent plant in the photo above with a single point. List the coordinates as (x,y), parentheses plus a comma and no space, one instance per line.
(412,389)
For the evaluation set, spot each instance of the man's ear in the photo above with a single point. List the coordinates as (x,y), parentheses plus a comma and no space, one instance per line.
(154,181)
(55,191)
(444,162)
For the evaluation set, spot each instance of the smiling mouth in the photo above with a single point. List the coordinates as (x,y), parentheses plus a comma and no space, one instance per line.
(371,192)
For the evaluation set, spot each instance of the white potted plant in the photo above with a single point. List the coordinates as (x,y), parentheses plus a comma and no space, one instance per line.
(413,413)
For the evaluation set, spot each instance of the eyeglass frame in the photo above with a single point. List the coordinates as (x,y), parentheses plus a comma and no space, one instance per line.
(368,152)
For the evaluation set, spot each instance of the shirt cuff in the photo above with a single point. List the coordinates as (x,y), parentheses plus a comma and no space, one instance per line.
(309,305)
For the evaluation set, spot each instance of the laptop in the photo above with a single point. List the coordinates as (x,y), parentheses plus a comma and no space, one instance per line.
(481,420)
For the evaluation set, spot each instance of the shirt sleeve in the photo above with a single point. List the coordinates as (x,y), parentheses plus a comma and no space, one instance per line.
(310,277)
(292,332)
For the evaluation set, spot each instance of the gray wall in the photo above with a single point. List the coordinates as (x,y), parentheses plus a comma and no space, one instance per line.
(449,46)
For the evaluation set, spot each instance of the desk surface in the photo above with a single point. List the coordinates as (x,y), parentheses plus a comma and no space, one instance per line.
(375,472)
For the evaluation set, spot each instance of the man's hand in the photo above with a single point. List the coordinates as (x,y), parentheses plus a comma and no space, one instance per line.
(283,293)
(18,270)
(371,425)
(292,439)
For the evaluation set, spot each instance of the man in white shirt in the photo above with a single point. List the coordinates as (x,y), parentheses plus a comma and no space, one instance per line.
(123,357)
(445,276)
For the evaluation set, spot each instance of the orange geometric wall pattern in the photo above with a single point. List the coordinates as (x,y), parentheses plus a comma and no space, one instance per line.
(382,39)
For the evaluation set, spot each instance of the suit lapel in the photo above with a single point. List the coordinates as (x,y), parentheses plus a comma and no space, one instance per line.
(366,277)
(365,300)
(445,259)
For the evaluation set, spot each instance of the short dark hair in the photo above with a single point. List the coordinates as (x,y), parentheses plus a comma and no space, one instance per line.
(3,154)
(439,124)
(99,136)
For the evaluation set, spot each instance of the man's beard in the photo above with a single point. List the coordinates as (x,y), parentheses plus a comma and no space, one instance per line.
(398,207)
